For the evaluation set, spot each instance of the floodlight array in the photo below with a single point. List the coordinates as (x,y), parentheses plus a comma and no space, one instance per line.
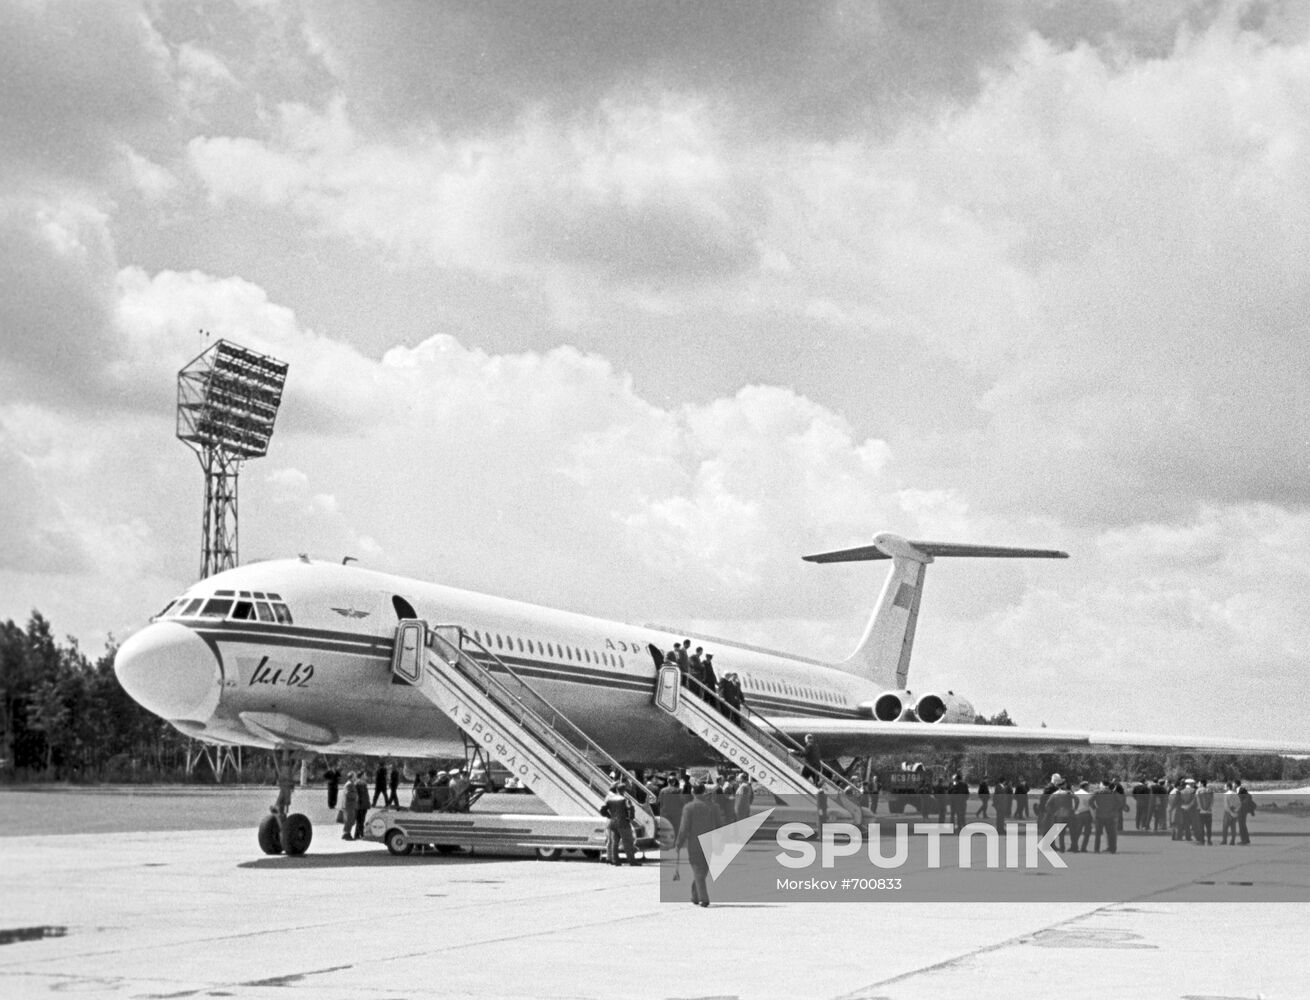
(228,398)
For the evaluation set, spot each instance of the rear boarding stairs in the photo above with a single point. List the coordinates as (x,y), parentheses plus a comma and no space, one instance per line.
(749,741)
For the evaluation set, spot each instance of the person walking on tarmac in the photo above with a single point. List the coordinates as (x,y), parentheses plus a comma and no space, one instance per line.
(333,778)
(1002,796)
(984,797)
(1021,798)
(349,801)
(361,804)
(393,786)
(618,810)
(958,796)
(380,784)
(697,819)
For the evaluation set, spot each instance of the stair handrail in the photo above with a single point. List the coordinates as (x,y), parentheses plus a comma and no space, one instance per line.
(590,772)
(753,720)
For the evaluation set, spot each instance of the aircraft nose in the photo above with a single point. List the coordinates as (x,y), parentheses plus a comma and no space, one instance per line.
(170,671)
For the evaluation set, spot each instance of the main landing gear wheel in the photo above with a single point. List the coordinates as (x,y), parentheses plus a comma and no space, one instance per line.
(550,853)
(397,844)
(300,831)
(270,837)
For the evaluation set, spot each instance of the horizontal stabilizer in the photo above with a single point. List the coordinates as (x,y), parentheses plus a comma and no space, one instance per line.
(883,655)
(934,549)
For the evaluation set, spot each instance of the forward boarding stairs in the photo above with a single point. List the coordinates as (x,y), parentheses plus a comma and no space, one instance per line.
(511,722)
(747,740)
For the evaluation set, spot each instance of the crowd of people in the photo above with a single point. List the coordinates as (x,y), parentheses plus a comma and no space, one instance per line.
(1094,811)
(431,790)
(694,807)
(1087,813)
(1186,808)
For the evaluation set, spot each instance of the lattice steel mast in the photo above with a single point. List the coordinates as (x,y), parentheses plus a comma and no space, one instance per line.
(227,401)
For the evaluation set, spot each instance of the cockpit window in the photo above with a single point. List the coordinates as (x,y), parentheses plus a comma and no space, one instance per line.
(216,607)
(243,606)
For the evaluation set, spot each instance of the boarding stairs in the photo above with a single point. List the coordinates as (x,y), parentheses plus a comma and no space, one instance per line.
(749,741)
(511,722)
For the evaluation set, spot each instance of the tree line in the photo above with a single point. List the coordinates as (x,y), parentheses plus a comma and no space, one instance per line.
(66,718)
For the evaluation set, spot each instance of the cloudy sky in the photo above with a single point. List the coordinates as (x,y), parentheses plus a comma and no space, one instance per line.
(623,307)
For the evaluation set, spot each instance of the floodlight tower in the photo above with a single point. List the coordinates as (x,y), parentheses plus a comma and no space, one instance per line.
(227,399)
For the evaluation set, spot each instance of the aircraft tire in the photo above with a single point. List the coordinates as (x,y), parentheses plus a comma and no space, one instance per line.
(550,853)
(397,844)
(300,831)
(270,837)
(447,848)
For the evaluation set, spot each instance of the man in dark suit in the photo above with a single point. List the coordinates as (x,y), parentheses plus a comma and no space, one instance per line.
(708,677)
(393,786)
(1001,797)
(958,795)
(333,778)
(698,818)
(1021,799)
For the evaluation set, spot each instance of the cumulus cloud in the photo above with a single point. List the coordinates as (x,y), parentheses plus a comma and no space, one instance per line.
(1186,626)
(814,70)
(633,196)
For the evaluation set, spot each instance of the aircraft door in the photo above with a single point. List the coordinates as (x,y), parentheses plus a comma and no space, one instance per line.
(407,656)
(667,686)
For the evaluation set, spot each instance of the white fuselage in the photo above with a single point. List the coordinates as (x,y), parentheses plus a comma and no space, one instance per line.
(323,680)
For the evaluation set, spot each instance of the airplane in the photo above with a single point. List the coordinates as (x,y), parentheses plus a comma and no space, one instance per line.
(296,655)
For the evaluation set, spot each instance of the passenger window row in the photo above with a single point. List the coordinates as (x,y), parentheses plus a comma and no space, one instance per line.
(796,690)
(535,647)
(236,605)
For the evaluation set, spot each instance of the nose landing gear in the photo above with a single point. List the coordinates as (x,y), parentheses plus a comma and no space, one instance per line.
(280,832)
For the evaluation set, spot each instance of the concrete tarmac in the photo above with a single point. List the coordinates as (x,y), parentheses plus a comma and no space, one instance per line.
(203,914)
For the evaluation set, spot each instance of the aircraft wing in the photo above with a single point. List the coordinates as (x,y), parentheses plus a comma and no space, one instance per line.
(867,736)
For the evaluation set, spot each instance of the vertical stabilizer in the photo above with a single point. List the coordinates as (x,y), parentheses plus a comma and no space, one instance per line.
(883,654)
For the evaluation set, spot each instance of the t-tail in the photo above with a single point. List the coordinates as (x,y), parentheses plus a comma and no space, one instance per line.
(883,654)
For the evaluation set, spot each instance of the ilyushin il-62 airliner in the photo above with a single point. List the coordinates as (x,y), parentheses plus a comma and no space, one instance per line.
(303,656)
